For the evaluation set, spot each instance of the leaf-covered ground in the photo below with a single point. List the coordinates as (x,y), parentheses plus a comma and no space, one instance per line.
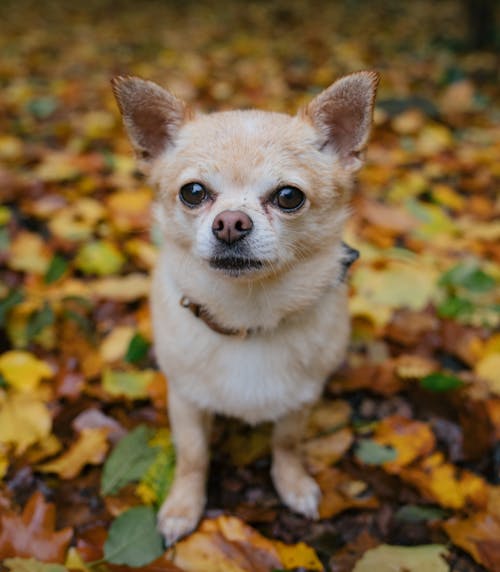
(405,444)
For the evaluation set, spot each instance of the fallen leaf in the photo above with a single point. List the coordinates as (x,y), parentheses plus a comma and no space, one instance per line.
(298,556)
(488,368)
(23,371)
(443,483)
(116,343)
(341,492)
(321,452)
(99,257)
(28,252)
(128,461)
(131,210)
(33,533)
(410,439)
(24,421)
(132,384)
(469,533)
(430,558)
(31,565)
(89,448)
(133,538)
(371,453)
(226,544)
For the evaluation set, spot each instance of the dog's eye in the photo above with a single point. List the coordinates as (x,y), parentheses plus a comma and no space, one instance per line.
(193,194)
(288,198)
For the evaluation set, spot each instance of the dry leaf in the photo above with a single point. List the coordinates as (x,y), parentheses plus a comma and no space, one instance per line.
(32,533)
(90,447)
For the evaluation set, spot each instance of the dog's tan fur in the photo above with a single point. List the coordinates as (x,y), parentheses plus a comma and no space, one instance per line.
(295,304)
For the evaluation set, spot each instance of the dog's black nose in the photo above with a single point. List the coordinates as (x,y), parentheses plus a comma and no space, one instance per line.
(230,226)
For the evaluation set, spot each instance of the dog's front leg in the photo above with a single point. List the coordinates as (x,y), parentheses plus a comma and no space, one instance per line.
(190,427)
(297,489)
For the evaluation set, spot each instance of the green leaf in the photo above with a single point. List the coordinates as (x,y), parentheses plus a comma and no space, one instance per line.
(128,461)
(99,257)
(13,298)
(469,276)
(42,107)
(32,565)
(440,382)
(132,384)
(39,320)
(155,484)
(4,239)
(455,307)
(415,513)
(371,453)
(137,349)
(133,539)
(57,267)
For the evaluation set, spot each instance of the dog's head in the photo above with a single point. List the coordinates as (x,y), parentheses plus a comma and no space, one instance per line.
(250,193)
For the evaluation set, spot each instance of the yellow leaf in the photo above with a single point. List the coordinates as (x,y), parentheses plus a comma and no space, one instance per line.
(326,450)
(116,343)
(122,289)
(77,222)
(90,448)
(385,558)
(130,209)
(4,460)
(298,556)
(489,369)
(29,253)
(24,421)
(443,483)
(411,439)
(433,138)
(75,562)
(132,384)
(23,370)
(99,257)
(401,283)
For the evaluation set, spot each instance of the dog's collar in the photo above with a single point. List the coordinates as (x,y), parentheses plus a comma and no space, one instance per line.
(349,255)
(201,312)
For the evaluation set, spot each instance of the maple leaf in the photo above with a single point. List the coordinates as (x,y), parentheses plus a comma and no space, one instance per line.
(32,533)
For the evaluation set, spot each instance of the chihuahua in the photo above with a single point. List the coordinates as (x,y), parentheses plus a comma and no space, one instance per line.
(249,304)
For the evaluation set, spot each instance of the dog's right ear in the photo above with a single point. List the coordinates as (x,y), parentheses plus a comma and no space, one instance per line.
(152,116)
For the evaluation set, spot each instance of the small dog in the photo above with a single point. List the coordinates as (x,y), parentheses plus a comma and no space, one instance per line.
(249,306)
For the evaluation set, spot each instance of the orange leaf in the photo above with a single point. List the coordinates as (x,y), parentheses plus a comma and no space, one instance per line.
(479,535)
(33,534)
(341,492)
(411,439)
(226,543)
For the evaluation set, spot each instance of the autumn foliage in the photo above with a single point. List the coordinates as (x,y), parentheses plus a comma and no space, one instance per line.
(405,444)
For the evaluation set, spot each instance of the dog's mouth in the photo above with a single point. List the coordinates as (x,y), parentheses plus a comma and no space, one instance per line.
(236,265)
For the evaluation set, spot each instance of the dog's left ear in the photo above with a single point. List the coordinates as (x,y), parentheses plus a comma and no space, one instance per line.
(343,112)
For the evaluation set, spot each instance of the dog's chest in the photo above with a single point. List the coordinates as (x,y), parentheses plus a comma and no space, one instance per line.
(259,378)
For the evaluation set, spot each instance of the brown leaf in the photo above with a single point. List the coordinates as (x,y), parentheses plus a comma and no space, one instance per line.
(33,534)
(226,543)
(479,535)
(341,492)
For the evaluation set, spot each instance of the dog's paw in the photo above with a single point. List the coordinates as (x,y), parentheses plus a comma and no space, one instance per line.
(298,491)
(179,515)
